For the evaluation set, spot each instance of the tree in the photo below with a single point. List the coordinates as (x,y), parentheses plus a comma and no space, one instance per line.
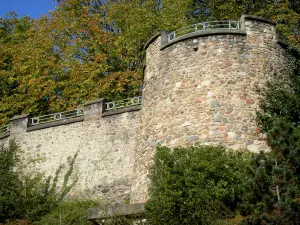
(272,193)
(88,49)
(28,81)
(12,36)
(56,63)
(286,14)
(136,21)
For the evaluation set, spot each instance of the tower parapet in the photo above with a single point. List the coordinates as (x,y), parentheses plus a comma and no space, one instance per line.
(201,87)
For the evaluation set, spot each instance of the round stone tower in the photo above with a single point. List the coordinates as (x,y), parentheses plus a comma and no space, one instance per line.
(201,87)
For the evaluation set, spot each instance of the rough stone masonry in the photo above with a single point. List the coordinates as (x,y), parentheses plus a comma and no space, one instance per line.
(202,87)
(105,142)
(199,88)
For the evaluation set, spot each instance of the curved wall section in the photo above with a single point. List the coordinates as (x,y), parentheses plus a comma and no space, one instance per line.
(203,89)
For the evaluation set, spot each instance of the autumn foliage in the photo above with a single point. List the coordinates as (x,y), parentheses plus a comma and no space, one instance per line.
(86,49)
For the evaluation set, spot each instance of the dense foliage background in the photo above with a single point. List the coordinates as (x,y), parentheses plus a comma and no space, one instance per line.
(87,49)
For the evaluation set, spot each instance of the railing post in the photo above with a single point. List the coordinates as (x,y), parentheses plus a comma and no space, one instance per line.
(164,37)
(34,120)
(19,124)
(78,111)
(94,109)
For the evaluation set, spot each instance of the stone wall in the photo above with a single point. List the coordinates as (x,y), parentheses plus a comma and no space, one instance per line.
(105,141)
(203,88)
(199,88)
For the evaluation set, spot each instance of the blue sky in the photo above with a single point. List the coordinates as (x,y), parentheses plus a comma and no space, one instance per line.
(32,8)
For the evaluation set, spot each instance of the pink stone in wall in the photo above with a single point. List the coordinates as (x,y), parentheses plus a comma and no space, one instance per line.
(250,101)
(221,128)
(198,100)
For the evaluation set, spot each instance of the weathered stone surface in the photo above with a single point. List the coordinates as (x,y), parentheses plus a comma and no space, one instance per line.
(133,211)
(197,89)
(207,95)
(105,144)
(116,210)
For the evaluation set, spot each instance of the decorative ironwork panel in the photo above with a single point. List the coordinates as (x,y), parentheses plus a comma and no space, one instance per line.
(56,116)
(123,103)
(4,129)
(212,25)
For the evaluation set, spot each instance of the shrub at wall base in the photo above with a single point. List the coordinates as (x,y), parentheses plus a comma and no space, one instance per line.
(69,213)
(196,185)
(28,195)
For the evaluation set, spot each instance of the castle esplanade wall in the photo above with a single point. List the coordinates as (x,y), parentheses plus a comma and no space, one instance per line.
(202,88)
(105,141)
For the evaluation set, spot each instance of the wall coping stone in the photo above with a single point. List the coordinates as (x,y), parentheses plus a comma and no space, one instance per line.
(128,210)
(152,39)
(94,102)
(122,110)
(242,31)
(4,135)
(71,120)
(19,117)
(55,124)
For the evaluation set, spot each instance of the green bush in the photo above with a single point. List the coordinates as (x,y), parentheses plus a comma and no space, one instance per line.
(10,184)
(18,222)
(26,195)
(196,185)
(120,221)
(69,213)
(74,212)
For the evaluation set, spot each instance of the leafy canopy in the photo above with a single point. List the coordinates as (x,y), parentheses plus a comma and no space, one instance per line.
(88,49)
